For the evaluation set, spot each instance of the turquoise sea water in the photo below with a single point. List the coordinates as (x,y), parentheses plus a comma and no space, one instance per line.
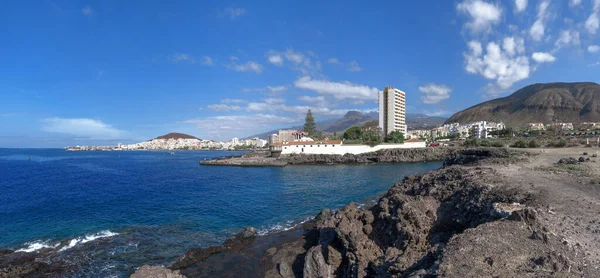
(107,213)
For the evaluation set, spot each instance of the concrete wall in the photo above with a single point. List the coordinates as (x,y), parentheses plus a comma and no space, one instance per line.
(344,149)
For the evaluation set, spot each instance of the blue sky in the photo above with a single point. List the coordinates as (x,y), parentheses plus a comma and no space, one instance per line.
(102,72)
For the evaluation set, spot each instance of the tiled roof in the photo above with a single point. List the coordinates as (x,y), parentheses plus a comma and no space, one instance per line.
(413,140)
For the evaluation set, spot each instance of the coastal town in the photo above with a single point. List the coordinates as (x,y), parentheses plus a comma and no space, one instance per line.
(392,119)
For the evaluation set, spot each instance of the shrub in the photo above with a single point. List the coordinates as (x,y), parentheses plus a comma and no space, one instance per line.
(497,144)
(519,144)
(533,144)
(558,144)
(473,142)
(484,143)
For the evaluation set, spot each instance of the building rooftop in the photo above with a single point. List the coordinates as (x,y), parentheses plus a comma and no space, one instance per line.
(323,142)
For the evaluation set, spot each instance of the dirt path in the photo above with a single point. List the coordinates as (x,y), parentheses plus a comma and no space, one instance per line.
(569,202)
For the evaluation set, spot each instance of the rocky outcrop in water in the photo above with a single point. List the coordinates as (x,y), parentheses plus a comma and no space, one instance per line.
(147,271)
(32,264)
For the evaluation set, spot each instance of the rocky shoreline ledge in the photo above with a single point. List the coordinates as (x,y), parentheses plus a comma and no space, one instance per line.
(463,220)
(261,159)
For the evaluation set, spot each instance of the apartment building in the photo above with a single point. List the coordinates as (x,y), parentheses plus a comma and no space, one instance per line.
(392,110)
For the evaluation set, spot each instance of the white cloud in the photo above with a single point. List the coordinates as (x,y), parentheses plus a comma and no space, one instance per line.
(592,23)
(297,61)
(354,67)
(275,59)
(513,45)
(594,48)
(566,38)
(520,5)
(338,90)
(87,10)
(207,61)
(537,30)
(182,58)
(334,61)
(234,13)
(277,88)
(504,66)
(433,93)
(318,100)
(248,66)
(483,14)
(224,107)
(227,127)
(274,100)
(543,57)
(277,105)
(232,101)
(293,56)
(574,3)
(84,128)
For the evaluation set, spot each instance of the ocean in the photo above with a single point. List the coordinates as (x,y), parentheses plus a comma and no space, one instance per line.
(108,212)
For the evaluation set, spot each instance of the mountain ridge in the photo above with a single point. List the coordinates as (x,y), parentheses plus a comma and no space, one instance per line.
(540,102)
(176,135)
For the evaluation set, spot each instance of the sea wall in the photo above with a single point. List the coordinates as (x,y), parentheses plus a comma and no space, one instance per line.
(394,155)
(331,149)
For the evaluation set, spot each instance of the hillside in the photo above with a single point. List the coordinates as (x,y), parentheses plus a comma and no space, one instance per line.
(351,119)
(175,135)
(546,103)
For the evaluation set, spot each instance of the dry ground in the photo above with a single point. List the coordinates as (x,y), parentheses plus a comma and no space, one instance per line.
(569,202)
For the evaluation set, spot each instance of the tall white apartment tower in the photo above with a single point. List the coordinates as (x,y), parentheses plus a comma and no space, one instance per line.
(392,110)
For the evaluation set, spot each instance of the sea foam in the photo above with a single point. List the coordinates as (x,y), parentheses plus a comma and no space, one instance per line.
(36,245)
(81,240)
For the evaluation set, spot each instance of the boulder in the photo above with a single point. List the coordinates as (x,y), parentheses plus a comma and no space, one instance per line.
(148,271)
(502,210)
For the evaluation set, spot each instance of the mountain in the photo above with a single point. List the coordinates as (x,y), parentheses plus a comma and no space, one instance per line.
(422,121)
(352,118)
(545,103)
(175,135)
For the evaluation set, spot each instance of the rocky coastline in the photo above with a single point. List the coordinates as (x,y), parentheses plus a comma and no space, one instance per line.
(261,159)
(478,215)
(462,220)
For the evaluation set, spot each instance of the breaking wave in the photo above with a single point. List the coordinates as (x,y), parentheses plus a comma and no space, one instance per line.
(39,244)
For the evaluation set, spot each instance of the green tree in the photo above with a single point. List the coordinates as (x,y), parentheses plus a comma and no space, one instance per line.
(395,137)
(309,124)
(353,133)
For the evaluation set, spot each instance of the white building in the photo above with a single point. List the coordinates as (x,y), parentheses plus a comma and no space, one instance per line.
(336,147)
(235,141)
(483,129)
(392,110)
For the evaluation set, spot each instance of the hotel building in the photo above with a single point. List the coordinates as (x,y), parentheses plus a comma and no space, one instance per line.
(392,110)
